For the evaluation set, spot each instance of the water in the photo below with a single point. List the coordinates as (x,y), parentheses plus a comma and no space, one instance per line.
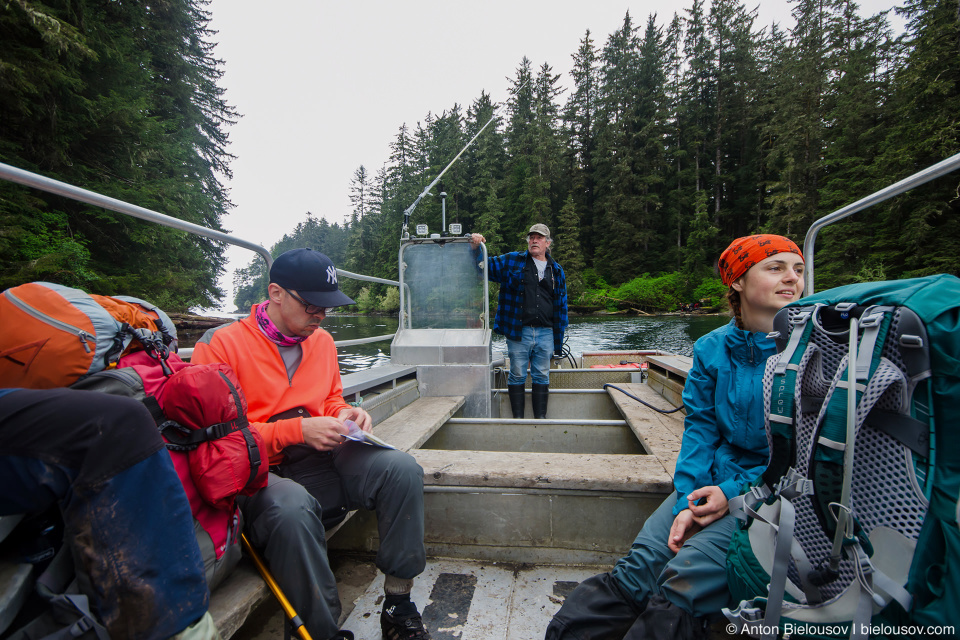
(675,334)
(362,356)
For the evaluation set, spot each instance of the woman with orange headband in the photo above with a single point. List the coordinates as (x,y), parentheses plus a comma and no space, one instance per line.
(673,581)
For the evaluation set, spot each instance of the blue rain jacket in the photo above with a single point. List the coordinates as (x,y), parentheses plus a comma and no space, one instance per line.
(724,440)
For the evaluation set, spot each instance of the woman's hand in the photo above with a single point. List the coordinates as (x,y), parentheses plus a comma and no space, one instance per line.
(683,527)
(713,508)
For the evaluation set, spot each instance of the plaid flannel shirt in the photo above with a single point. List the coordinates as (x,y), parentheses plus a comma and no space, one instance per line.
(507,269)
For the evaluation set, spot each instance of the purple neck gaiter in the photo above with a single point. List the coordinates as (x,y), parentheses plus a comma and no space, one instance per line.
(270,330)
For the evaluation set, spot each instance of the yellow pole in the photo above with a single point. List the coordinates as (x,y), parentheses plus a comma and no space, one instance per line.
(275,588)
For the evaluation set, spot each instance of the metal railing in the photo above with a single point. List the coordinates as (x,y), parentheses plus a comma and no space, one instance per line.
(49,185)
(90,197)
(921,177)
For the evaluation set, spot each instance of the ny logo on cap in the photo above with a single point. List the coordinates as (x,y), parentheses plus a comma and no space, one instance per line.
(332,274)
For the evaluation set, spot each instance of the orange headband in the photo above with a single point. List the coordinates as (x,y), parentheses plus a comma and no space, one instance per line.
(745,252)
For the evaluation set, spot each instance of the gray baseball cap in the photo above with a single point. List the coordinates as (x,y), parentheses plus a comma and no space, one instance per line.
(541,229)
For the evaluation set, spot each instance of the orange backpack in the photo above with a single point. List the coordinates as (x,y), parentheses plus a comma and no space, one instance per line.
(52,335)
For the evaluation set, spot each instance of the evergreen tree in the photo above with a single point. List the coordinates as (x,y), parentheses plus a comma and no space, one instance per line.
(520,151)
(580,113)
(857,121)
(359,194)
(695,122)
(537,197)
(566,248)
(675,201)
(651,110)
(123,100)
(485,160)
(446,141)
(800,119)
(920,231)
(617,182)
(735,72)
(363,244)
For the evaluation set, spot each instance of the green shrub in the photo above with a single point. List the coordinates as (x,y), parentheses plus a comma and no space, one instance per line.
(390,301)
(711,289)
(872,271)
(593,280)
(366,301)
(663,293)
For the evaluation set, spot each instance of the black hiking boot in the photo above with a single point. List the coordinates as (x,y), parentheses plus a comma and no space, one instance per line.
(402,622)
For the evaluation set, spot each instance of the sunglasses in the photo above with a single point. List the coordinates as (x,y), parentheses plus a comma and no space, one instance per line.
(311,309)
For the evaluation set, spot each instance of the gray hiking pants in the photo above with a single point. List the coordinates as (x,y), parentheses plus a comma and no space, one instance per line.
(285,520)
(694,582)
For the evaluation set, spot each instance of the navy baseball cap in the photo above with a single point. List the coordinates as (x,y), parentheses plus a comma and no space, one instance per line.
(311,274)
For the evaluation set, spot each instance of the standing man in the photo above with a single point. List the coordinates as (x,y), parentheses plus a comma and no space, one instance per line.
(531,314)
(288,367)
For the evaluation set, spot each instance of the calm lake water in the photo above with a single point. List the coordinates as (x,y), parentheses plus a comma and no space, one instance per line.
(675,334)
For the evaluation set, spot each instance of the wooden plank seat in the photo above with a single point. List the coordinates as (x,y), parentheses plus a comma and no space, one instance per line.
(659,433)
(233,601)
(667,374)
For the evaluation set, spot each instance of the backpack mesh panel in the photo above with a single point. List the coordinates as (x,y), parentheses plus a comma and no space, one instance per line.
(885,491)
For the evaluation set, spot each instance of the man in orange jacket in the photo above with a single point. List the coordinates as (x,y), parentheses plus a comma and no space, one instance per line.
(287,366)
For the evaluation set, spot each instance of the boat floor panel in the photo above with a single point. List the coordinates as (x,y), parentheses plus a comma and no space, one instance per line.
(462,599)
(470,600)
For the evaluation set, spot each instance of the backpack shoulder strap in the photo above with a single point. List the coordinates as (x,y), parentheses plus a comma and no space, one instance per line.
(69,615)
(782,414)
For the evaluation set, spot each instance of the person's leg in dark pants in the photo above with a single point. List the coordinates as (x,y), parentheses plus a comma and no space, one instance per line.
(608,605)
(386,481)
(597,608)
(390,483)
(126,516)
(284,521)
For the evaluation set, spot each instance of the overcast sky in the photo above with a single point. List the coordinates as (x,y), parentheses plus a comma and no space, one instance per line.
(323,87)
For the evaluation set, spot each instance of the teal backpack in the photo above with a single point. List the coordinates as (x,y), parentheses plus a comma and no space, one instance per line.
(853,530)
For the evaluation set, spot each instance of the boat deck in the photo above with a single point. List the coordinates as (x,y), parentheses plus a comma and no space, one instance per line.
(459,599)
(469,600)
(510,532)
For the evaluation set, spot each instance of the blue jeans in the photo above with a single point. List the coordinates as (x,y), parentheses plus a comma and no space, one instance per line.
(534,349)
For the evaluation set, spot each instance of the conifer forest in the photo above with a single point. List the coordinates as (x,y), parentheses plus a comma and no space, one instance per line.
(672,135)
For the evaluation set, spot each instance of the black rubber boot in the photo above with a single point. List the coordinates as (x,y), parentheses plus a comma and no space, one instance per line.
(517,399)
(538,397)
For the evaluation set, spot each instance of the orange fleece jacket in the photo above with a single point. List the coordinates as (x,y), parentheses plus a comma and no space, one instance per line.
(315,385)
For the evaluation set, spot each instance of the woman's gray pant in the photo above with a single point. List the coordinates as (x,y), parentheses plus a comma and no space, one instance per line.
(286,520)
(693,581)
